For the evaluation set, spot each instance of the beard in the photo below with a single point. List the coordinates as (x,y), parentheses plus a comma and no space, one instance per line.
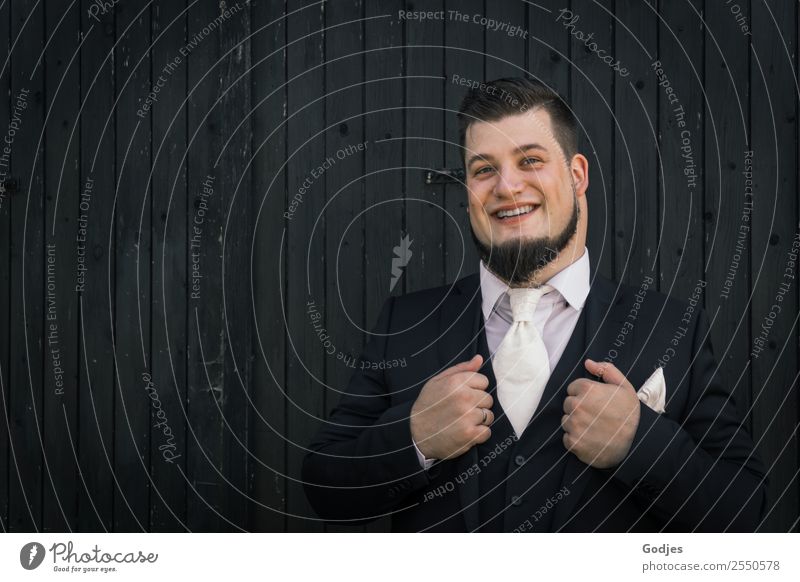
(517,260)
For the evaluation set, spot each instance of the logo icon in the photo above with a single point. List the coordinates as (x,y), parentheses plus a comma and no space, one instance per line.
(400,260)
(31,555)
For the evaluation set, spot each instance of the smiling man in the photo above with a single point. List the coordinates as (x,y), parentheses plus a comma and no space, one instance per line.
(521,409)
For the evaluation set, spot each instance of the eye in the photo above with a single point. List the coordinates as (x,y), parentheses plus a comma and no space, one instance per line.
(531,160)
(481,170)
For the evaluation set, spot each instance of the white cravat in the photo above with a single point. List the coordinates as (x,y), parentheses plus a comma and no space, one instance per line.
(521,364)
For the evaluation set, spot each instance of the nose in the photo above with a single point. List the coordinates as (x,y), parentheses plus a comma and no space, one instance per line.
(509,183)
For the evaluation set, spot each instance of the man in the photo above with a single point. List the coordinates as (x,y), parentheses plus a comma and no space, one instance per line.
(533,399)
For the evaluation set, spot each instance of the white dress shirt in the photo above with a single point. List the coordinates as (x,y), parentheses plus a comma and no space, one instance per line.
(555,317)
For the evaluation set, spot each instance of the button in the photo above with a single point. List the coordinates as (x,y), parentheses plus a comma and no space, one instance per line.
(520,460)
(516,500)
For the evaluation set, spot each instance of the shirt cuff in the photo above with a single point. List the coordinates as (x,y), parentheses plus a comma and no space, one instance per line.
(424,463)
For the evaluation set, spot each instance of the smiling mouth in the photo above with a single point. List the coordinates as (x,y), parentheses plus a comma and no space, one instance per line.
(515,214)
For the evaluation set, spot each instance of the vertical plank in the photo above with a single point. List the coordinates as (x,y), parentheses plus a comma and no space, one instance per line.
(205,321)
(234,184)
(592,93)
(680,124)
(268,412)
(306,366)
(384,99)
(344,185)
(727,139)
(62,220)
(635,144)
(775,228)
(6,460)
(548,48)
(169,219)
(97,382)
(425,219)
(505,53)
(28,293)
(132,405)
(462,54)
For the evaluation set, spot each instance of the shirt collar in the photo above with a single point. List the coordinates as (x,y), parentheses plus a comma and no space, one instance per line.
(572,283)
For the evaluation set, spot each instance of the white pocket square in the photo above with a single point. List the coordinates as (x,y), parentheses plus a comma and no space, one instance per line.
(654,391)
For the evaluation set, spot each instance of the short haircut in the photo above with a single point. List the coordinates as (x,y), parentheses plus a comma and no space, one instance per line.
(493,100)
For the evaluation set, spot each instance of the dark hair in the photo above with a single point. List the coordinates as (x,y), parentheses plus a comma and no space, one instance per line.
(496,99)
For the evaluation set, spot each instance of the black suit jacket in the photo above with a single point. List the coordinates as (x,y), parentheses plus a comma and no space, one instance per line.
(691,468)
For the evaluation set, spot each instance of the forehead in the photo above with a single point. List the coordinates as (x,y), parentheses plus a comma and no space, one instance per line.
(510,132)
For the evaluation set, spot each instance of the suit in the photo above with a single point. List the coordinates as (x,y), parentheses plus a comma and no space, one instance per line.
(691,468)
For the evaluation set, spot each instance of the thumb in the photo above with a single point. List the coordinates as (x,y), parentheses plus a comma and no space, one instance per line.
(607,371)
(472,365)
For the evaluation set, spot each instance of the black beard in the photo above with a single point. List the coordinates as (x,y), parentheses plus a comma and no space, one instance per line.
(517,260)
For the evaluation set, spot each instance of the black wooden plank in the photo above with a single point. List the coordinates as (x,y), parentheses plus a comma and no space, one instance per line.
(636,146)
(504,30)
(775,228)
(680,106)
(548,48)
(96,365)
(726,145)
(344,192)
(170,217)
(592,95)
(28,257)
(267,422)
(132,274)
(424,216)
(463,60)
(234,190)
(306,365)
(205,320)
(64,191)
(6,461)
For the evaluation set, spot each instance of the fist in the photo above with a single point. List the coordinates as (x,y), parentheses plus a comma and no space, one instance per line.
(600,418)
(446,418)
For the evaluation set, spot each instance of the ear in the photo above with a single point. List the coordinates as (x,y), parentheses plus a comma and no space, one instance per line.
(579,168)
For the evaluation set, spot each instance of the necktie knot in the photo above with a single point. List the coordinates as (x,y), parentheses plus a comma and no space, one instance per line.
(524,301)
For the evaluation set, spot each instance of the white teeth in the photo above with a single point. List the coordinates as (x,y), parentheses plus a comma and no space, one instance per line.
(515,212)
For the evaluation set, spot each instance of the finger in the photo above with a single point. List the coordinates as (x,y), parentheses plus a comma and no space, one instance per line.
(484,400)
(578,387)
(474,380)
(607,371)
(483,435)
(478,416)
(472,365)
(564,420)
(570,404)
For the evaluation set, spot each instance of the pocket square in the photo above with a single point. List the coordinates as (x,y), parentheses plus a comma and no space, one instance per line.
(654,391)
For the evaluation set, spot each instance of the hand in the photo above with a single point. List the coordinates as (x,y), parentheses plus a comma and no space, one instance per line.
(446,418)
(600,418)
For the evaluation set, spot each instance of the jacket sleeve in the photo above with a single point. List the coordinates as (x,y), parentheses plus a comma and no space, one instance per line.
(361,464)
(701,474)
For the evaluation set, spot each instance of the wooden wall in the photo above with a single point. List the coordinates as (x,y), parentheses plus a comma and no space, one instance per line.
(136,395)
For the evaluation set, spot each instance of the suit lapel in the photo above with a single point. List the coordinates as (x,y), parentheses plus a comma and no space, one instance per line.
(604,317)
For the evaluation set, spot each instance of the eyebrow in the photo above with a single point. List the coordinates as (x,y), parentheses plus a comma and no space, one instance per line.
(487,157)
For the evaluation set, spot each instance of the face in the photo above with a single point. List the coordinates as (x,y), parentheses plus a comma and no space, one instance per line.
(526,201)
